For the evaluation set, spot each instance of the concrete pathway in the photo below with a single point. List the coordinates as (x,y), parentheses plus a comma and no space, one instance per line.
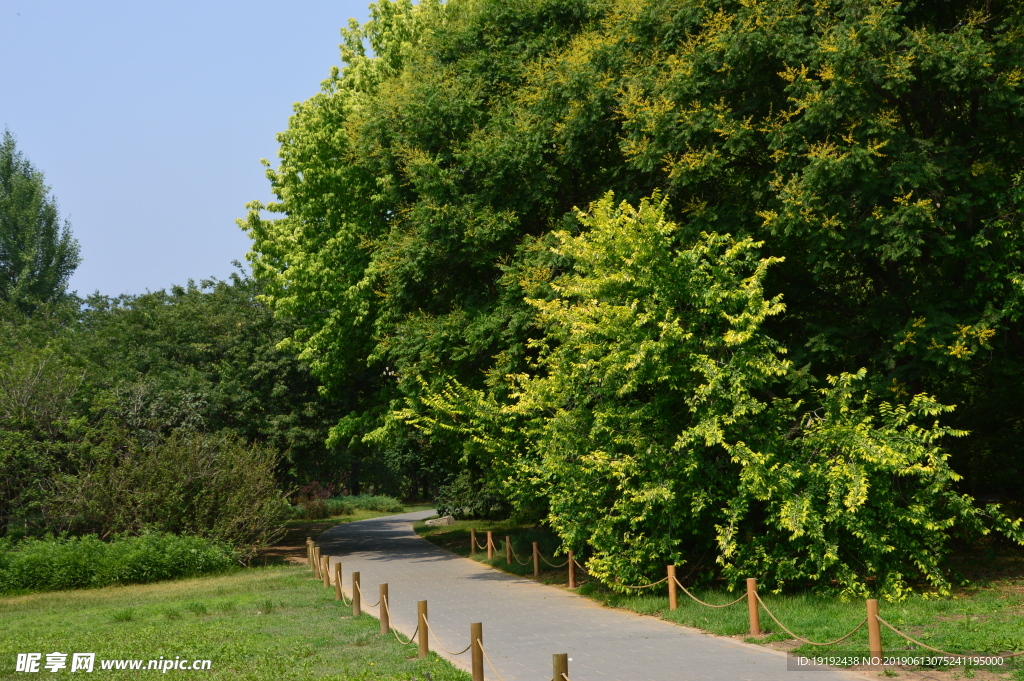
(525,622)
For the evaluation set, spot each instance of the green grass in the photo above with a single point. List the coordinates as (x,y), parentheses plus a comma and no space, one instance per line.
(259,623)
(984,619)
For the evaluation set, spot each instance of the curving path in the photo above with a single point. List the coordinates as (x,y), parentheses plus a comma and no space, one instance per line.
(524,622)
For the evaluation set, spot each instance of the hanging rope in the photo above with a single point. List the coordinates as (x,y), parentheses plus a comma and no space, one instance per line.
(521,562)
(369,605)
(644,586)
(916,642)
(550,563)
(710,605)
(393,631)
(345,600)
(488,658)
(801,638)
(437,640)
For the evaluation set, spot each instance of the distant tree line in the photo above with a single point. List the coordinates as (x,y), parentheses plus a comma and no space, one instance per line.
(173,410)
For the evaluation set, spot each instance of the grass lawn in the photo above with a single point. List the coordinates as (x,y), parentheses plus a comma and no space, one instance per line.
(257,623)
(986,618)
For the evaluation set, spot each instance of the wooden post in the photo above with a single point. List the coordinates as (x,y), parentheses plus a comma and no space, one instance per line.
(472,542)
(325,569)
(874,629)
(559,666)
(572,571)
(337,581)
(309,553)
(385,620)
(316,562)
(476,637)
(357,608)
(490,545)
(508,549)
(421,611)
(755,614)
(673,599)
(536,560)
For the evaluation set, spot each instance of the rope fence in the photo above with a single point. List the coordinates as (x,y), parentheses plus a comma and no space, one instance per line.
(442,646)
(321,567)
(489,663)
(710,605)
(372,605)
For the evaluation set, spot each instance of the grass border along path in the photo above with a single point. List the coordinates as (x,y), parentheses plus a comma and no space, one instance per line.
(258,623)
(980,620)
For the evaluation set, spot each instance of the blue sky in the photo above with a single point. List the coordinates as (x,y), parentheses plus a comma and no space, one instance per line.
(149,120)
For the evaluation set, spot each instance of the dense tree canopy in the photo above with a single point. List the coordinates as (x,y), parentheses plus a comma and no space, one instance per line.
(872,148)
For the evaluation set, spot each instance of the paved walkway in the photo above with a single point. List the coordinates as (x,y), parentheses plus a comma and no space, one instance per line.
(525,622)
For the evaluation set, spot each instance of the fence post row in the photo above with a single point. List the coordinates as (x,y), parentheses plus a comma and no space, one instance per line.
(490,545)
(755,614)
(559,666)
(357,608)
(472,542)
(421,612)
(476,638)
(874,629)
(673,597)
(385,619)
(560,661)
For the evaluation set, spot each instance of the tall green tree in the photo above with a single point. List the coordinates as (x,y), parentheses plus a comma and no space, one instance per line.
(873,146)
(37,252)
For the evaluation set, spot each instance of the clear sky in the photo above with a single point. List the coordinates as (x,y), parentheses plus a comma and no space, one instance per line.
(149,119)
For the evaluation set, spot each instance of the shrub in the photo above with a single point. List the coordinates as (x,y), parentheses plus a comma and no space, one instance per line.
(340,507)
(56,563)
(210,485)
(316,509)
(468,498)
(375,502)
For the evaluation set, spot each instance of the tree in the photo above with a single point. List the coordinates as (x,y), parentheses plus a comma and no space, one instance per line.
(651,423)
(37,252)
(874,147)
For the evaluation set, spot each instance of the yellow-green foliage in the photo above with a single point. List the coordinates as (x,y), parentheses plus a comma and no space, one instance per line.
(871,147)
(650,425)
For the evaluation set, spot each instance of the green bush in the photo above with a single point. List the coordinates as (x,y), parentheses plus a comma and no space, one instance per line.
(466,498)
(212,485)
(316,509)
(340,506)
(56,563)
(375,502)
